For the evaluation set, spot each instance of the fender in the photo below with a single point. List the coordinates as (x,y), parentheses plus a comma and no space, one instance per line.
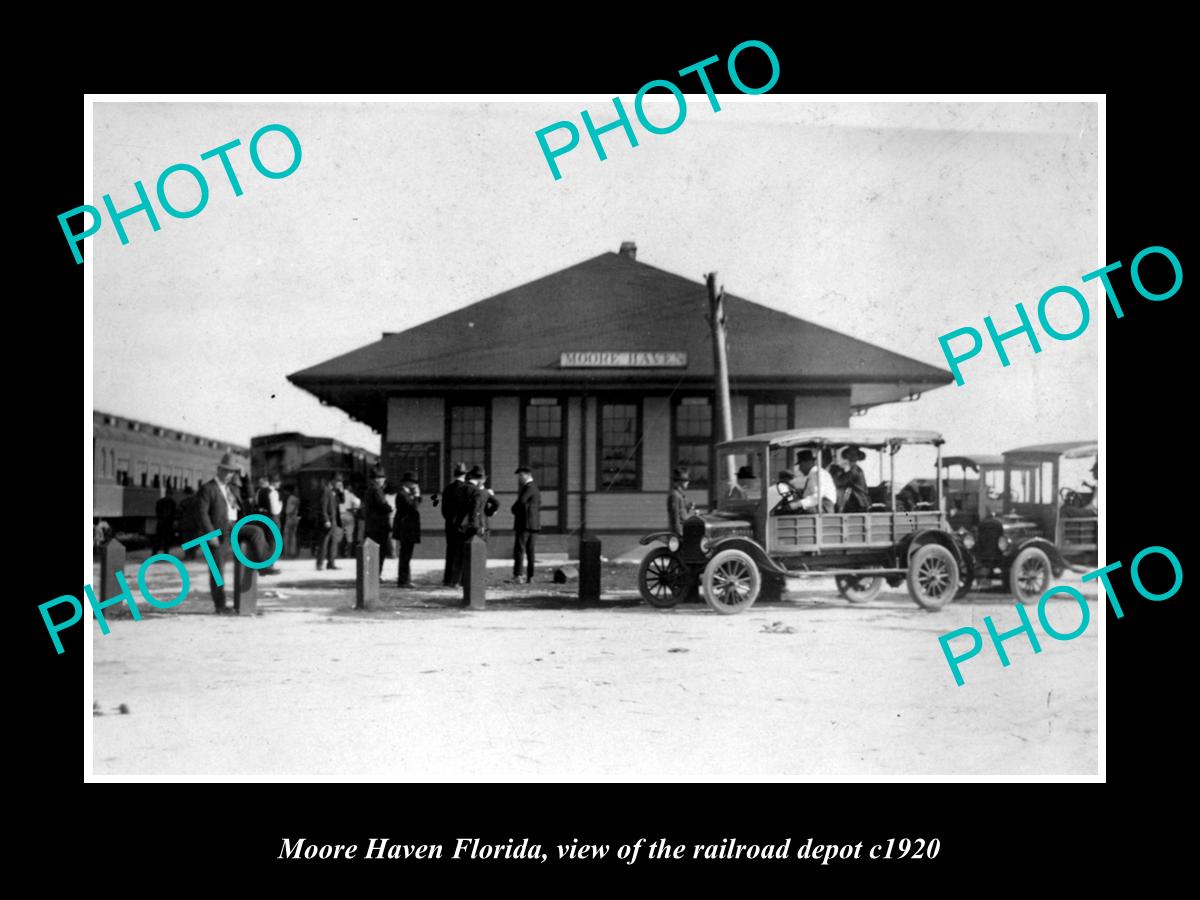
(1057,563)
(933,536)
(658,536)
(751,549)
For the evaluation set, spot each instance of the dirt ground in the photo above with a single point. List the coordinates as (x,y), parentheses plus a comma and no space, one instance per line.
(539,687)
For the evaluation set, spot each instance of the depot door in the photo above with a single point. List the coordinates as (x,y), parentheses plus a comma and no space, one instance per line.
(542,449)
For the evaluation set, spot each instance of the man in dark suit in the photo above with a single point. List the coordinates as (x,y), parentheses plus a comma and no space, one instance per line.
(329,516)
(164,512)
(679,507)
(452,500)
(478,505)
(406,527)
(527,523)
(189,521)
(376,512)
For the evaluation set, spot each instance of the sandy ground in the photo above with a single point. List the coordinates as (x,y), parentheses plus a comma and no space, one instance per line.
(538,687)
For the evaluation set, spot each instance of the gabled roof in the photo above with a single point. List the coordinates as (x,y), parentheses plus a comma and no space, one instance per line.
(614,302)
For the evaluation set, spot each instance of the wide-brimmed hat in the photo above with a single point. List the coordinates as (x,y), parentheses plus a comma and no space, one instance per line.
(786,475)
(519,469)
(853,453)
(378,472)
(681,473)
(477,472)
(745,472)
(228,464)
(409,476)
(460,468)
(805,454)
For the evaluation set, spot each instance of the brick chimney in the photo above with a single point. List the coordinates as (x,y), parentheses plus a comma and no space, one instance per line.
(628,248)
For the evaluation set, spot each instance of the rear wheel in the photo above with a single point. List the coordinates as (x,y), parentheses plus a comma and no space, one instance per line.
(731,582)
(1029,575)
(933,576)
(859,588)
(662,579)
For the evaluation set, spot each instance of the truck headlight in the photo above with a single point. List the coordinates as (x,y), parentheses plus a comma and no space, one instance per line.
(673,543)
(1002,542)
(704,544)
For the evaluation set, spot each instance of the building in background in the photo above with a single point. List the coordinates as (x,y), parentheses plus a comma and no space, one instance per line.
(134,462)
(307,463)
(600,377)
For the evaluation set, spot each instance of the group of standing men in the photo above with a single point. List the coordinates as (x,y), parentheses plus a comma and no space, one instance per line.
(466,508)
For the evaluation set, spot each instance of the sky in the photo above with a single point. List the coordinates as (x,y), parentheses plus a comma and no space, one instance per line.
(891,222)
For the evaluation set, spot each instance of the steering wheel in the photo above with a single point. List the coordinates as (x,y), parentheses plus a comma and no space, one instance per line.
(1070,497)
(788,495)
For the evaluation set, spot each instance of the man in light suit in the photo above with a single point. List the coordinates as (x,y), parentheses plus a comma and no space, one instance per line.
(217,510)
(329,516)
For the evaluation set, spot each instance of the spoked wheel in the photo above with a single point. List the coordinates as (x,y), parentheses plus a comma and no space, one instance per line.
(1029,576)
(933,576)
(662,579)
(731,582)
(859,588)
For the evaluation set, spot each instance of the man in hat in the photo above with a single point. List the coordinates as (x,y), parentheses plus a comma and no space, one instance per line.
(853,495)
(217,505)
(376,512)
(679,507)
(818,493)
(329,515)
(527,522)
(452,501)
(479,503)
(406,527)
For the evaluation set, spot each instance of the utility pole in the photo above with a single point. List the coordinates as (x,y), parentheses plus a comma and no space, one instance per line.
(724,409)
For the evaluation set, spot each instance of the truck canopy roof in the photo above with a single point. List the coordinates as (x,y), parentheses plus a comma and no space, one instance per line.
(836,437)
(1066,449)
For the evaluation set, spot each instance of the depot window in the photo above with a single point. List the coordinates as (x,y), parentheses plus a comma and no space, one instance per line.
(770,414)
(467,435)
(691,443)
(619,451)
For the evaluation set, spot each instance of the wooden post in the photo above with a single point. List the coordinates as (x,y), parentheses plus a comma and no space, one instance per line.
(589,570)
(724,409)
(366,578)
(475,555)
(112,560)
(245,587)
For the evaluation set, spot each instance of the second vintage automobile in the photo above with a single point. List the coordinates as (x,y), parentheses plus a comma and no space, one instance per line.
(754,534)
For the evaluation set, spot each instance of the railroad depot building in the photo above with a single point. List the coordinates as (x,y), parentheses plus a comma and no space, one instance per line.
(600,377)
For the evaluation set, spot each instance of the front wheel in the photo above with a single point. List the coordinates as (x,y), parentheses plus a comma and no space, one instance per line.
(933,576)
(731,582)
(1029,575)
(859,588)
(662,579)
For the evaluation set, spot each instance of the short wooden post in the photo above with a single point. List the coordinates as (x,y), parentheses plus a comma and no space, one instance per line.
(475,555)
(589,570)
(112,561)
(245,586)
(366,578)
